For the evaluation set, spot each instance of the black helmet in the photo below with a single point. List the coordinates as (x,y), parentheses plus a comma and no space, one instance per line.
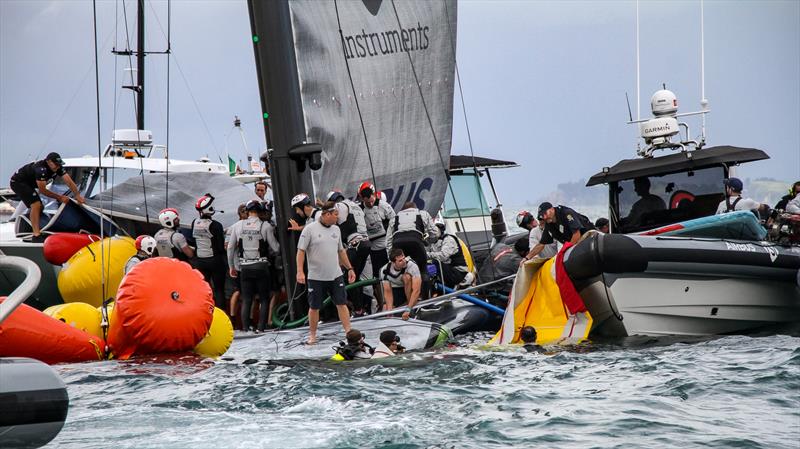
(334,196)
(253,205)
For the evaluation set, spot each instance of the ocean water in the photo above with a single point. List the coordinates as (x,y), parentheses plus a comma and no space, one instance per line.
(736,391)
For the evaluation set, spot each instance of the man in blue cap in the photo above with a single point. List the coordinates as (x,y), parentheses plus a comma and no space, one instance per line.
(35,176)
(733,198)
(562,224)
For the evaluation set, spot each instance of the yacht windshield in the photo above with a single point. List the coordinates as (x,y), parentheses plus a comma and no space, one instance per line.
(469,195)
(650,202)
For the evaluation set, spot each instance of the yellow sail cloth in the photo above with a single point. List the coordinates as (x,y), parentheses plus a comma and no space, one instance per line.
(536,301)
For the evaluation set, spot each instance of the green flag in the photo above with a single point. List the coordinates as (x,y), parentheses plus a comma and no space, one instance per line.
(231,165)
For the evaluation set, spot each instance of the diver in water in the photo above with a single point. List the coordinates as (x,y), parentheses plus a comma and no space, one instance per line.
(145,245)
(355,348)
(170,242)
(389,345)
(528,337)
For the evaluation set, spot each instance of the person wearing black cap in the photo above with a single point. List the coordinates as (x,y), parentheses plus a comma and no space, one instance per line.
(562,224)
(388,346)
(602,225)
(733,198)
(36,175)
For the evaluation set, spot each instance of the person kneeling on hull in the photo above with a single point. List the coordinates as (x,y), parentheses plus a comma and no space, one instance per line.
(326,255)
(402,282)
(388,346)
(450,258)
(145,245)
(408,232)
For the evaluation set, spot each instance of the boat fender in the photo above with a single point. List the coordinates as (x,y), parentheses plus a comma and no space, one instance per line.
(78,315)
(163,306)
(219,336)
(35,403)
(81,279)
(604,253)
(59,247)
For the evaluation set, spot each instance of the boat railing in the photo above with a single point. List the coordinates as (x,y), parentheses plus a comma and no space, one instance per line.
(32,277)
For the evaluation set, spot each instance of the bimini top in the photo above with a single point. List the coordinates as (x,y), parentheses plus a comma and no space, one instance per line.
(462,162)
(675,163)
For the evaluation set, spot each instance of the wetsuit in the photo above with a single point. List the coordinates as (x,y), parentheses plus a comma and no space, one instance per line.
(248,250)
(24,180)
(209,239)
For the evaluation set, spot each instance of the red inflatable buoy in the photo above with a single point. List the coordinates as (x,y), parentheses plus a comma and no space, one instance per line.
(59,247)
(28,332)
(163,305)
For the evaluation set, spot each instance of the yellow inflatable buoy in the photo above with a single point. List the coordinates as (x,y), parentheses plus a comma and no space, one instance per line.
(81,279)
(219,336)
(78,315)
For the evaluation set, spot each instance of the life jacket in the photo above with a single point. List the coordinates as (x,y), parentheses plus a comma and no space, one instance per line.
(409,220)
(457,259)
(135,259)
(382,351)
(314,216)
(355,224)
(353,352)
(165,244)
(731,207)
(253,249)
(201,231)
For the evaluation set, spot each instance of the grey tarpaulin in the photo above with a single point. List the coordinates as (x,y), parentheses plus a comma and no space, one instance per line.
(184,189)
(404,153)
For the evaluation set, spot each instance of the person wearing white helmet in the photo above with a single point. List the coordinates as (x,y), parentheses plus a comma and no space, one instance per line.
(145,245)
(209,237)
(378,214)
(170,242)
(353,227)
(248,257)
(305,210)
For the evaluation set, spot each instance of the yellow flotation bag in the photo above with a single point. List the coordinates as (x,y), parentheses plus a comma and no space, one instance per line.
(78,315)
(219,336)
(81,279)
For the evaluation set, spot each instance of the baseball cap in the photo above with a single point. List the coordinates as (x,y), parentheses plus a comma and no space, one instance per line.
(735,184)
(544,207)
(55,157)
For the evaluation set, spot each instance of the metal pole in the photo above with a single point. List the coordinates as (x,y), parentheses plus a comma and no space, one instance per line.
(284,125)
(140,65)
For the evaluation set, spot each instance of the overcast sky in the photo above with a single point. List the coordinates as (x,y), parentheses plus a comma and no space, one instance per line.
(544,82)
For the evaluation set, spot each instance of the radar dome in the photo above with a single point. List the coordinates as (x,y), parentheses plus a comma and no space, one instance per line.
(664,102)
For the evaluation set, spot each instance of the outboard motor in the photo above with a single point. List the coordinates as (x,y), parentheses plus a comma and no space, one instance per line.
(499,230)
(33,403)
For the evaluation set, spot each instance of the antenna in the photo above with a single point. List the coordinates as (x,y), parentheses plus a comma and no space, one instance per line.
(630,114)
(703,99)
(638,100)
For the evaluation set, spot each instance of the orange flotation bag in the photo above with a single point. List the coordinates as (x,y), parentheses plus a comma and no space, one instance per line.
(28,332)
(162,306)
(59,247)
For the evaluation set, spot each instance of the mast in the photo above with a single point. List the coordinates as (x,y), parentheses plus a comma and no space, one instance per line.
(284,125)
(140,65)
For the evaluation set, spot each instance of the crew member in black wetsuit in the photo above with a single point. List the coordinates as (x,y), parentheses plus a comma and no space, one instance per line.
(28,178)
(209,237)
(562,224)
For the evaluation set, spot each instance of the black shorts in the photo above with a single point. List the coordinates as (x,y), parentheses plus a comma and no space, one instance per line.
(399,296)
(26,193)
(319,290)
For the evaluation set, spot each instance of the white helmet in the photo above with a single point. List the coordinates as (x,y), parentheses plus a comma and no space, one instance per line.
(169,218)
(300,200)
(146,244)
(203,204)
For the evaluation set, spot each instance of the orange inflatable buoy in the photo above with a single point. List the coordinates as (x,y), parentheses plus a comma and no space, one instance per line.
(162,306)
(59,247)
(28,332)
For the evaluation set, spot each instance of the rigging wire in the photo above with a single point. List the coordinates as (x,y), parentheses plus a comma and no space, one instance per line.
(469,138)
(355,97)
(99,154)
(433,132)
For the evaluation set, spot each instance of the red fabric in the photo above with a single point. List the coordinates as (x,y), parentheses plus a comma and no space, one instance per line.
(59,247)
(28,332)
(163,306)
(569,295)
